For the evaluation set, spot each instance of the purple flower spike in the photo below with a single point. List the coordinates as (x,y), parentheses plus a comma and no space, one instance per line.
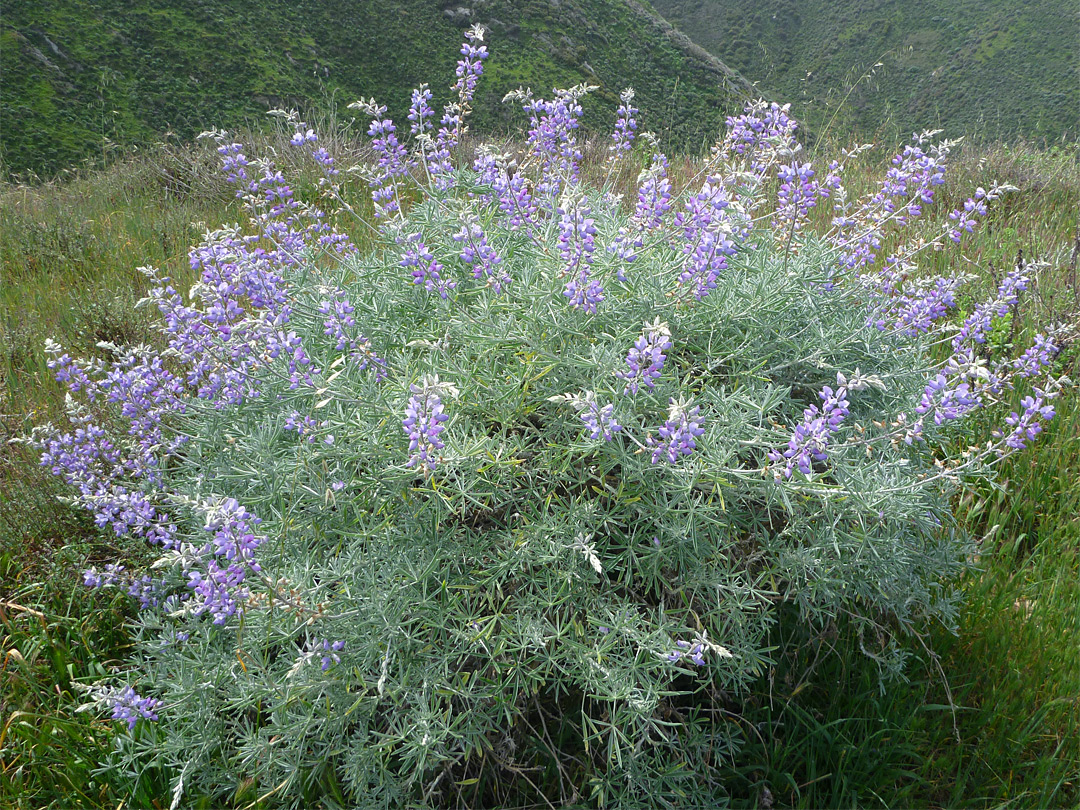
(128,706)
(600,419)
(947,402)
(423,422)
(425,268)
(695,651)
(577,235)
(420,111)
(679,433)
(654,193)
(810,439)
(1038,356)
(798,193)
(1029,424)
(625,125)
(469,70)
(707,222)
(392,164)
(470,67)
(552,136)
(646,359)
(974,207)
(341,326)
(486,264)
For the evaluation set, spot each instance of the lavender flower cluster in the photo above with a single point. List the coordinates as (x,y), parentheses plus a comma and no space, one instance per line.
(486,264)
(124,703)
(599,419)
(645,360)
(810,439)
(679,434)
(577,244)
(423,422)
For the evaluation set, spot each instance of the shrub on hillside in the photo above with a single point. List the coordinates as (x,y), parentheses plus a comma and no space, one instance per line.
(504,505)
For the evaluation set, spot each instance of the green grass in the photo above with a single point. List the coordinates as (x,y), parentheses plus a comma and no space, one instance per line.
(986,70)
(88,80)
(992,721)
(70,636)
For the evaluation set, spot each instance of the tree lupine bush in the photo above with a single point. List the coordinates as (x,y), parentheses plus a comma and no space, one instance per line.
(505,504)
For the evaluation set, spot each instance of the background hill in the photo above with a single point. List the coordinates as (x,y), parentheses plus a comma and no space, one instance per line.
(991,69)
(80,74)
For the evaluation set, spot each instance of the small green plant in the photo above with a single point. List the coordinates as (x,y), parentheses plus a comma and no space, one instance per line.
(508,505)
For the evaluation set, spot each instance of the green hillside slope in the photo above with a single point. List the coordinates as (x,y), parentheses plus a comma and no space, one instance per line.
(78,74)
(991,69)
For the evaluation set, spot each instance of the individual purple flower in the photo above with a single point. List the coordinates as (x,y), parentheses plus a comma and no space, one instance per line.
(679,434)
(92,578)
(646,359)
(423,422)
(302,137)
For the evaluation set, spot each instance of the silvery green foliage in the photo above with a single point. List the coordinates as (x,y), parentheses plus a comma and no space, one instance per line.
(427,509)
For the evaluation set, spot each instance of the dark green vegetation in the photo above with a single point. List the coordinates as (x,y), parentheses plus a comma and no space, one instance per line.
(82,77)
(828,738)
(989,70)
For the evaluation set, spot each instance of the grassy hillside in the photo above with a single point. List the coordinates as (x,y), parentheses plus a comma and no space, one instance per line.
(80,76)
(992,69)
